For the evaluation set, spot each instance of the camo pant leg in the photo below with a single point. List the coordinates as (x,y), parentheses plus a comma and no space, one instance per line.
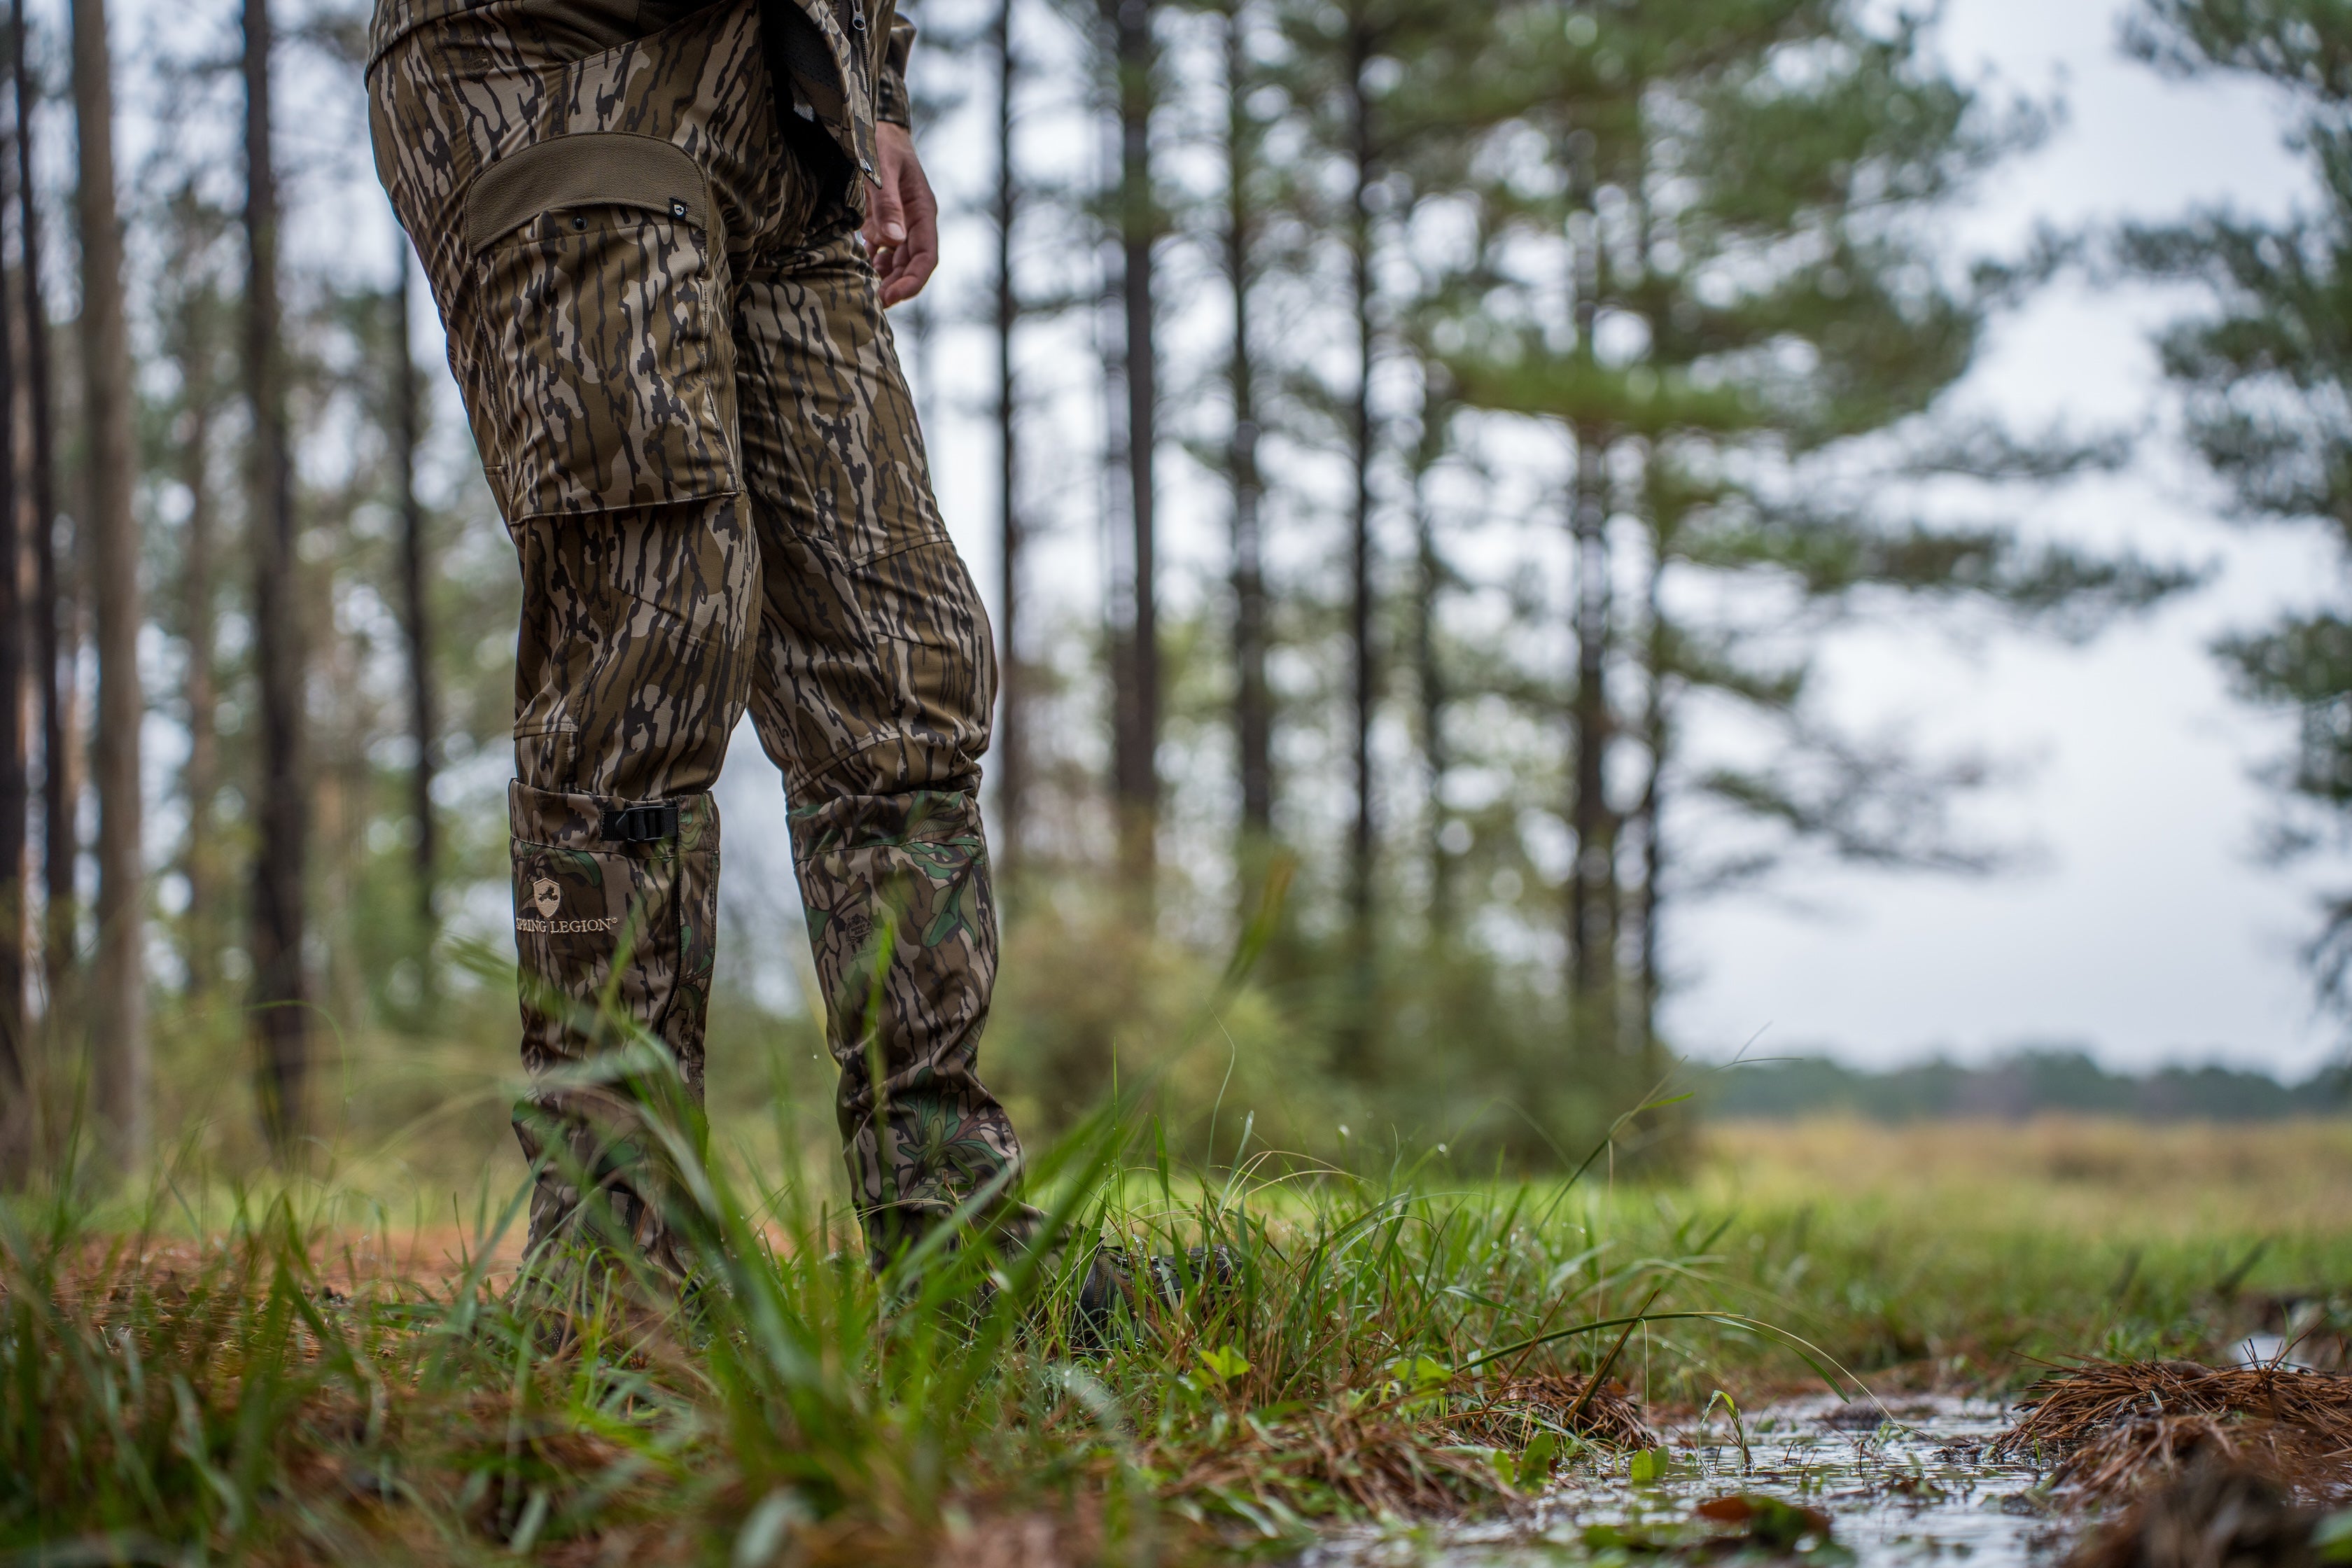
(873,683)
(575,218)
(631,672)
(685,400)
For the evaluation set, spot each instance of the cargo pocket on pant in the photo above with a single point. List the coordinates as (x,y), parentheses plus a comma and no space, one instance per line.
(598,256)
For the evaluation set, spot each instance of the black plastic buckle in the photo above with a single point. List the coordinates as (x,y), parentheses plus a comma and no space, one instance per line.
(649,823)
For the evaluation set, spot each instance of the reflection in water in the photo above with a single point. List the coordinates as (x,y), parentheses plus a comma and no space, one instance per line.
(1908,1482)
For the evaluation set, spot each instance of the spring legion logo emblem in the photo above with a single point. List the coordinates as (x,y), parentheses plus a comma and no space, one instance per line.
(535,907)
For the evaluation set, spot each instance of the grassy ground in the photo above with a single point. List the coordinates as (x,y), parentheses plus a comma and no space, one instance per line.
(330,1376)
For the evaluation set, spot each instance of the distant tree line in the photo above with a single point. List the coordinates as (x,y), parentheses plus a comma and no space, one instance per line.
(2034,1081)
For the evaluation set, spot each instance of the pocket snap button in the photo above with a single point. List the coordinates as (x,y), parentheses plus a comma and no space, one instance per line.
(677,209)
(579,220)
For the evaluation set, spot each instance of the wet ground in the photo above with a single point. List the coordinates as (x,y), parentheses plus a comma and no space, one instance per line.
(1912,1484)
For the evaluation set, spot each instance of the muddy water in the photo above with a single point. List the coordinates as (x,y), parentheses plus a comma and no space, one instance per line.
(1912,1486)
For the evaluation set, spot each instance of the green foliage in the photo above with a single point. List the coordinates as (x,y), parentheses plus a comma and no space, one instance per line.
(2299,43)
(1758,181)
(2333,1539)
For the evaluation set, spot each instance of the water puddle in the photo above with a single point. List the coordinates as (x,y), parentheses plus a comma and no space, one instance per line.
(1916,1485)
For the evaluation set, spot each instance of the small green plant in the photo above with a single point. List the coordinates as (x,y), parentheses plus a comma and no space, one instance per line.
(1738,1426)
(1223,1363)
(1535,1461)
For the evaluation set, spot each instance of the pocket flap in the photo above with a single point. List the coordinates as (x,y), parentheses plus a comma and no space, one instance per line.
(588,168)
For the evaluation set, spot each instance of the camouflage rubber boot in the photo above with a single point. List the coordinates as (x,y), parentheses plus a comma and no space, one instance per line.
(903,927)
(1112,1293)
(616,906)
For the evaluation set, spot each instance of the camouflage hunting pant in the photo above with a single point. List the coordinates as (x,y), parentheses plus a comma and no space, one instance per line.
(679,372)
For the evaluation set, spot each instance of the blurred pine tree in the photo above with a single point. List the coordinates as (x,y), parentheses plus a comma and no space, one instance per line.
(2265,375)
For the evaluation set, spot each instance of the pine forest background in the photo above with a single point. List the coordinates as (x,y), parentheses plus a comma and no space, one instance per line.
(1429,450)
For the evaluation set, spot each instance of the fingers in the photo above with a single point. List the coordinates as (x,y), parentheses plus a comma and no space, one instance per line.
(911,263)
(902,219)
(886,213)
(886,210)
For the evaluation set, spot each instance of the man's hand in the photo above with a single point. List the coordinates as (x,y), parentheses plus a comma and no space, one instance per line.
(902,217)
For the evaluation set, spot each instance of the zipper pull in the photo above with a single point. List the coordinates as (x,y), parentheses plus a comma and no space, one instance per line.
(858,16)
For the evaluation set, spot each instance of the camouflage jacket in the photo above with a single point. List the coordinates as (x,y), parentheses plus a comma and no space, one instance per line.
(847,58)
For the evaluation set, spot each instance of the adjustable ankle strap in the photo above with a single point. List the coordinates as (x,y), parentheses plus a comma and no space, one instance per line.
(648,824)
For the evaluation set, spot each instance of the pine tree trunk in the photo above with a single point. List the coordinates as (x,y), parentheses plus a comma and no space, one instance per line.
(70,784)
(1429,682)
(1011,731)
(1661,513)
(118,1015)
(1649,815)
(1592,878)
(424,698)
(53,608)
(200,779)
(1253,698)
(1355,1034)
(1136,774)
(1666,1131)
(15,1051)
(281,990)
